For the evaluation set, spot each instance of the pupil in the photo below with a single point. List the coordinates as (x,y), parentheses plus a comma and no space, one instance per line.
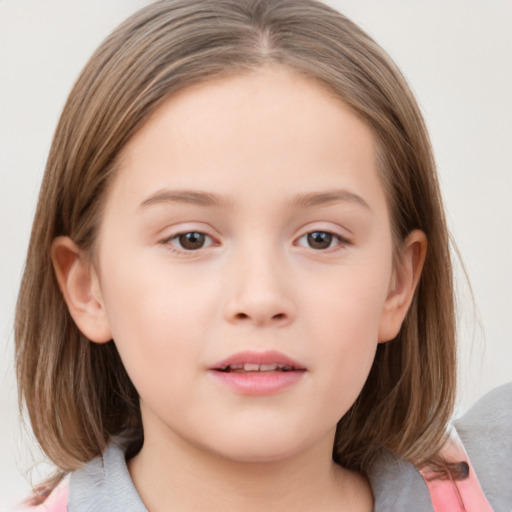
(319,240)
(192,240)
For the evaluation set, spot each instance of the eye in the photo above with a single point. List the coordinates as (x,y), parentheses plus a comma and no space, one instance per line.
(320,240)
(190,241)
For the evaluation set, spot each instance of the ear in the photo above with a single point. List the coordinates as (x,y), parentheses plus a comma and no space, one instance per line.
(79,284)
(403,284)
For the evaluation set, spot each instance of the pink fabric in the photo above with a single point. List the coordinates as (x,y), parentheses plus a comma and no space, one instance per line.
(456,495)
(57,501)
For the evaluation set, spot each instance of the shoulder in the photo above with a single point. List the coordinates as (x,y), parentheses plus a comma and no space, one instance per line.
(486,432)
(104,483)
(397,485)
(57,501)
(492,411)
(485,444)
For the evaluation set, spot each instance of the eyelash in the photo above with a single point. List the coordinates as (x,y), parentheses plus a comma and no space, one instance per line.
(181,250)
(341,242)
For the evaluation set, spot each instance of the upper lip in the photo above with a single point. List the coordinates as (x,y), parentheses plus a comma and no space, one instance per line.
(265,358)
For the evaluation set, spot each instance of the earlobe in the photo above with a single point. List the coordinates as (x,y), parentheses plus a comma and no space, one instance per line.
(79,284)
(403,285)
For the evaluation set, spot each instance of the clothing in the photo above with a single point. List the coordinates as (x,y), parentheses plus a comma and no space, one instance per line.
(451,493)
(104,484)
(486,431)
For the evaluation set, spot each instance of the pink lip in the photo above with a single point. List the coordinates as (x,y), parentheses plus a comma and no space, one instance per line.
(257,382)
(251,357)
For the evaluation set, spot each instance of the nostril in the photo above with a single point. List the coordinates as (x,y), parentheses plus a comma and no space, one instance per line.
(245,316)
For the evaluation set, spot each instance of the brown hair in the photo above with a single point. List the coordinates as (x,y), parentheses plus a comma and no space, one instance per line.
(77,392)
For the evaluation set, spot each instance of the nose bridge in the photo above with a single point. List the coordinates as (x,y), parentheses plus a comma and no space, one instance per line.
(258,291)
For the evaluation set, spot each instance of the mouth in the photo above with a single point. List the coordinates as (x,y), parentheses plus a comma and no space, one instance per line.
(257,368)
(251,362)
(258,373)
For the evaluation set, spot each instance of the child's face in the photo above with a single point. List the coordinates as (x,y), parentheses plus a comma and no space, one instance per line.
(288,250)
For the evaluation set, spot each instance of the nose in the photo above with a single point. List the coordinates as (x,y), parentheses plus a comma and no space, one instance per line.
(257,292)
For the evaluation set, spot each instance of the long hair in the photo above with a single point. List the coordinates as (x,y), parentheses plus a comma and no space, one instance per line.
(77,393)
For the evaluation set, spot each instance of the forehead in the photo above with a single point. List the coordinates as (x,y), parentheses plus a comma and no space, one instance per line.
(268,131)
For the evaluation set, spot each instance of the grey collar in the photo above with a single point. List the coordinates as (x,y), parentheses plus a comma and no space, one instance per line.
(104,484)
(398,486)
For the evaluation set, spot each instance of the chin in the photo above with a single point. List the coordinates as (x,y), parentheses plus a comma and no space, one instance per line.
(262,447)
(261,456)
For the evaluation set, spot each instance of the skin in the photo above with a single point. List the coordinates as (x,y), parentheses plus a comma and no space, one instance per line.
(260,142)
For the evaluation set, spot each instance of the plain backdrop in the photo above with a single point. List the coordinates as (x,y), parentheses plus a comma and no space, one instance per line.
(457,56)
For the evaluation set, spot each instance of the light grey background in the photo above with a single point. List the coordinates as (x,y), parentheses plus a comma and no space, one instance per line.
(457,55)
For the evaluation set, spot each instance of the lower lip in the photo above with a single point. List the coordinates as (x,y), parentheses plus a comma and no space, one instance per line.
(258,383)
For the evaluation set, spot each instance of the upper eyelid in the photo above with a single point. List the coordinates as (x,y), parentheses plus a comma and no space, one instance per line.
(183,228)
(185,232)
(335,232)
(342,239)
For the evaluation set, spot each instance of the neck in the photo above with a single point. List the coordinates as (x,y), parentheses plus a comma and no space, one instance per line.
(169,471)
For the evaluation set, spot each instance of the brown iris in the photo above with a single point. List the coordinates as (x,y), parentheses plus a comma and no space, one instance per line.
(319,239)
(192,240)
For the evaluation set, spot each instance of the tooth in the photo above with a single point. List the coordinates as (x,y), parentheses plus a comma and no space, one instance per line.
(250,367)
(236,366)
(268,367)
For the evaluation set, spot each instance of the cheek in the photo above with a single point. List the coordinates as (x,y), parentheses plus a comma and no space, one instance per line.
(350,303)
(157,318)
(347,322)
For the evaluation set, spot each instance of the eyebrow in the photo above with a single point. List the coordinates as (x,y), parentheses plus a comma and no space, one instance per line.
(200,198)
(194,197)
(311,199)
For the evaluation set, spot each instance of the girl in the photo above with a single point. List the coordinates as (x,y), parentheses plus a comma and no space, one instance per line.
(238,291)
